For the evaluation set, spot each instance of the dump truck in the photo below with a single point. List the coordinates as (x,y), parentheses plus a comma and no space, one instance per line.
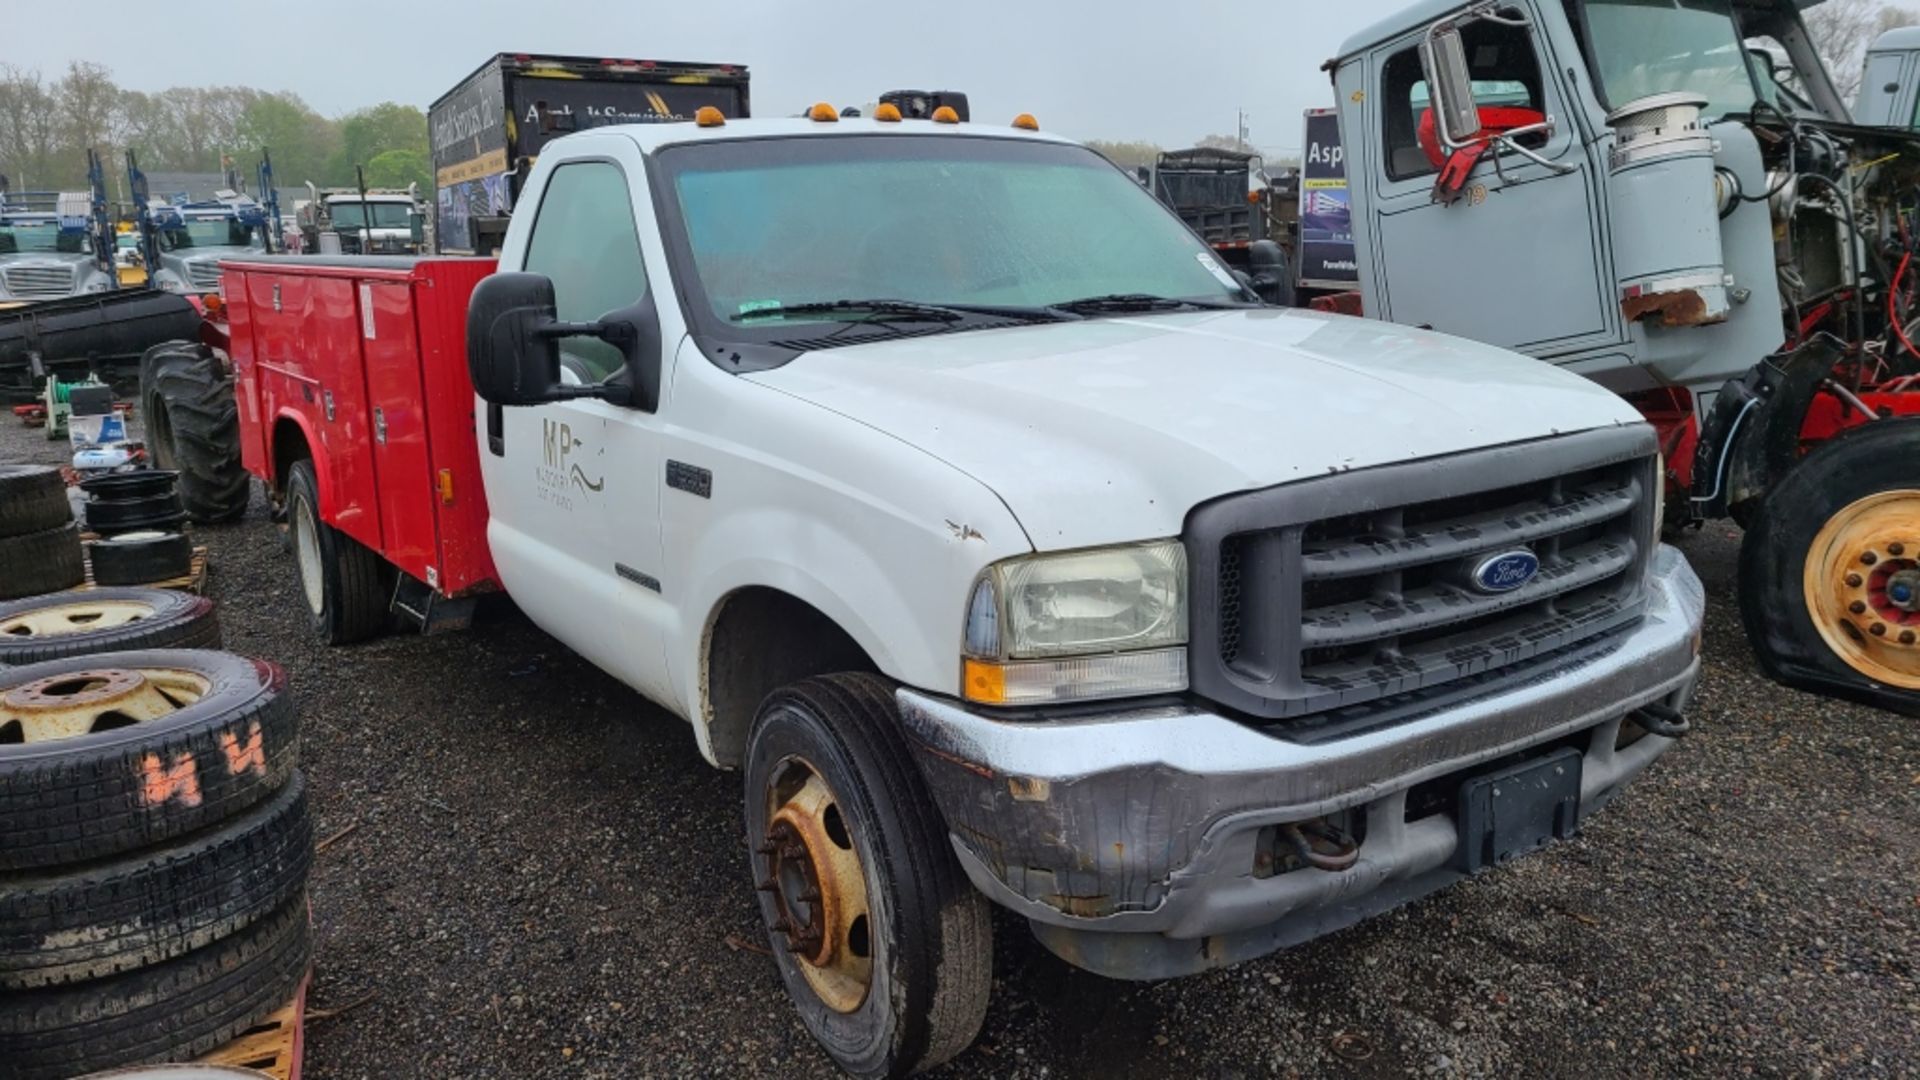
(1011,550)
(1226,198)
(1729,251)
(487,131)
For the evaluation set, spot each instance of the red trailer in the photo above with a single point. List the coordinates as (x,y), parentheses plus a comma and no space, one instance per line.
(357,367)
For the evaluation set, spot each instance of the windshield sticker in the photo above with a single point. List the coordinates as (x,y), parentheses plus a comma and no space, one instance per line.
(748,307)
(1220,273)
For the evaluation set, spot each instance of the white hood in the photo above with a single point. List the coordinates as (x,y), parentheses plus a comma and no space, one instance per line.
(1112,429)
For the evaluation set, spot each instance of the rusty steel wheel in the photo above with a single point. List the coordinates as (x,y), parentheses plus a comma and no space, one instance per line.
(883,945)
(1862,582)
(71,704)
(1830,570)
(817,886)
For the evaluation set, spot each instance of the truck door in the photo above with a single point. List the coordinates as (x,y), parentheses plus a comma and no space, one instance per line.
(1515,261)
(575,530)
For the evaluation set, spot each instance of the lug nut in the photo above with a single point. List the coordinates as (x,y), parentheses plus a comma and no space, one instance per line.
(1853,581)
(1858,607)
(1878,629)
(1896,548)
(1906,637)
(1869,558)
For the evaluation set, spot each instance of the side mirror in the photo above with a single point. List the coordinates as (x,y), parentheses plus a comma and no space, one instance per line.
(510,361)
(1272,277)
(1443,56)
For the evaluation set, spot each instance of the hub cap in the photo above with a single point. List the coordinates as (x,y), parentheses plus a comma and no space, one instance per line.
(82,702)
(73,618)
(1862,584)
(818,888)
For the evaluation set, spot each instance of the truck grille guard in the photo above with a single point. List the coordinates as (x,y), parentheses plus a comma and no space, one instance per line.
(1340,604)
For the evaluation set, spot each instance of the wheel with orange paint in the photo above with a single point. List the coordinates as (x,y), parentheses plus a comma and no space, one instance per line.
(106,754)
(884,946)
(1830,570)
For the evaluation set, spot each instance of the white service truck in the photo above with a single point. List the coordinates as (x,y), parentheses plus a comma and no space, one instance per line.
(961,498)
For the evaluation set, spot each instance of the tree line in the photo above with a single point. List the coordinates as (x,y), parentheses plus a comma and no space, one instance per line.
(48,124)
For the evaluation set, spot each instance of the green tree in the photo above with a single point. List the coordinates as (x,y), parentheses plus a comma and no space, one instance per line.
(398,168)
(367,134)
(301,140)
(1127,155)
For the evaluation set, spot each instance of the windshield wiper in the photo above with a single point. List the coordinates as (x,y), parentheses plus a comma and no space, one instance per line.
(907,310)
(1139,302)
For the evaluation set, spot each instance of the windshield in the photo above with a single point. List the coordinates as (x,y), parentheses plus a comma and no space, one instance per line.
(216,232)
(1645,47)
(385,215)
(20,238)
(773,223)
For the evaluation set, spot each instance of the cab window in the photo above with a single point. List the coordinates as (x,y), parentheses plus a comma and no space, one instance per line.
(1506,86)
(585,240)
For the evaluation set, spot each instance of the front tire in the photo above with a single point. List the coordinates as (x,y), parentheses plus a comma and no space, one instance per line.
(884,947)
(342,583)
(1830,570)
(193,424)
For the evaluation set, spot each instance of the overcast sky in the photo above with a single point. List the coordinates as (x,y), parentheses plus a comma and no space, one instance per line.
(1164,72)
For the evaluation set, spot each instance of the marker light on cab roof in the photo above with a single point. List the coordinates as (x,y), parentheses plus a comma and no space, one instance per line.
(945,115)
(823,113)
(708,116)
(1026,122)
(887,113)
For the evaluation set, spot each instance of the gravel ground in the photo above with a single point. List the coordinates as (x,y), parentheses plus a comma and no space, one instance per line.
(530,872)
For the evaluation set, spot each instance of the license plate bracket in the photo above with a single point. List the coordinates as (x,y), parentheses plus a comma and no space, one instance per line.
(1514,810)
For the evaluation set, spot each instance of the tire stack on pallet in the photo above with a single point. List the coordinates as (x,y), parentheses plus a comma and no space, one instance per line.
(39,541)
(136,517)
(154,832)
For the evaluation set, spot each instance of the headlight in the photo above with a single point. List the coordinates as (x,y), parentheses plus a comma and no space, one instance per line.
(169,284)
(96,285)
(1077,626)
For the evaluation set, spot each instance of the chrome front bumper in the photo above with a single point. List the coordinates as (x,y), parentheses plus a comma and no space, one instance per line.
(1129,838)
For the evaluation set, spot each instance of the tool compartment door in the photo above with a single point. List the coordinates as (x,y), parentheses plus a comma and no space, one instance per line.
(397,414)
(307,356)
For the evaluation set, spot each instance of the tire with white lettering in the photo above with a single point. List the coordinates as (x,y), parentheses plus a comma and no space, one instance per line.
(62,925)
(885,948)
(177,1010)
(104,620)
(343,583)
(102,755)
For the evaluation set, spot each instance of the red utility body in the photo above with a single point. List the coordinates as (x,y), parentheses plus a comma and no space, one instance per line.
(361,364)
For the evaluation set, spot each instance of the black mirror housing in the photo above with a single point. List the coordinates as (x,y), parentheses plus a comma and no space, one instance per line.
(1272,277)
(510,360)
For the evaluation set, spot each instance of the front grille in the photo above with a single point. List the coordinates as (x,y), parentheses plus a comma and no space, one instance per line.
(203,275)
(38,282)
(1353,592)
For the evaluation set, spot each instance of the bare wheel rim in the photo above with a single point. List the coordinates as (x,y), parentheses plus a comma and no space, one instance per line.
(76,703)
(812,870)
(1862,584)
(306,552)
(77,617)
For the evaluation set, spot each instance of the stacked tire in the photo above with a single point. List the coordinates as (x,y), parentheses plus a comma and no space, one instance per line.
(155,837)
(39,541)
(137,516)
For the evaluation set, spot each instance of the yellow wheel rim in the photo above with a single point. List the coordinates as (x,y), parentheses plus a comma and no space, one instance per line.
(76,703)
(80,616)
(1862,584)
(819,887)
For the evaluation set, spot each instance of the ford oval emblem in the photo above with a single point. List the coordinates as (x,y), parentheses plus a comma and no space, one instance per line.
(1505,571)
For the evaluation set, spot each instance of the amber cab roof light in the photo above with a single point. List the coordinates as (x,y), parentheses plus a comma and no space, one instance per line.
(823,113)
(708,116)
(945,115)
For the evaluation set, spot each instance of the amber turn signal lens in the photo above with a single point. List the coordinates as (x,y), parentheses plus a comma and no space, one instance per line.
(983,682)
(945,115)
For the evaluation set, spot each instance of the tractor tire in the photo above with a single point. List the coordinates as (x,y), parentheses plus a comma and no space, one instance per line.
(891,972)
(140,558)
(343,583)
(1830,570)
(33,498)
(55,627)
(62,926)
(177,1010)
(41,562)
(102,755)
(193,427)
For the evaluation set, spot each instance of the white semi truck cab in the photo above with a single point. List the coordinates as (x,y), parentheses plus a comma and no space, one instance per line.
(962,499)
